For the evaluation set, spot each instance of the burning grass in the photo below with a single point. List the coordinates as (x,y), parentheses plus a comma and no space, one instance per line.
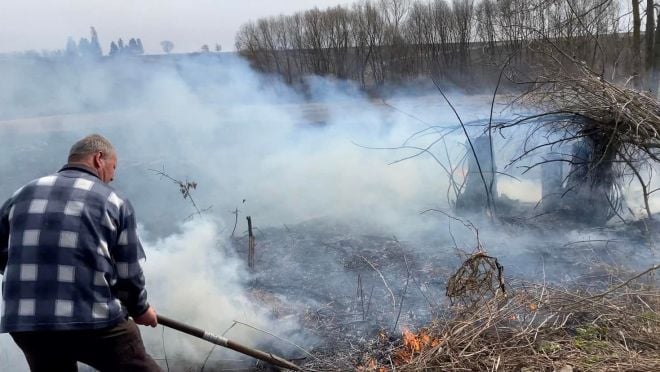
(533,327)
(594,322)
(538,327)
(542,328)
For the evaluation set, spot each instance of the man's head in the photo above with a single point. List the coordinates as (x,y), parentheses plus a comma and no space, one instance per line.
(96,152)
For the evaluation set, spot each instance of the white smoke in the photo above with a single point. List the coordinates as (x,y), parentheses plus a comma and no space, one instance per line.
(250,143)
(194,277)
(240,136)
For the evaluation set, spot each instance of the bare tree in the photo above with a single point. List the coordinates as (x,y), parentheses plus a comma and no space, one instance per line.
(167,46)
(636,41)
(656,57)
(648,39)
(375,41)
(394,11)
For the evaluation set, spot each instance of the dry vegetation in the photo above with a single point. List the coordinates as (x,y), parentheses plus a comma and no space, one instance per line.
(619,127)
(530,327)
(544,328)
(620,113)
(597,325)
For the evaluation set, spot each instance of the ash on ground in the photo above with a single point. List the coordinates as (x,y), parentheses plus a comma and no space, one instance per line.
(351,288)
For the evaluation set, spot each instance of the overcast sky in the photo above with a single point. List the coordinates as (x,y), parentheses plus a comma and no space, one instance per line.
(46,24)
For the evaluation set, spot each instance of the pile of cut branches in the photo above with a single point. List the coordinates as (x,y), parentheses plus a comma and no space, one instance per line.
(537,327)
(622,114)
(572,103)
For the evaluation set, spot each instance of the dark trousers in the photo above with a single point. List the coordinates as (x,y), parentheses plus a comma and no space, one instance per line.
(118,348)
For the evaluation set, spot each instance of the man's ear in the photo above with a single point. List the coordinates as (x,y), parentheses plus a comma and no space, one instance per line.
(98,159)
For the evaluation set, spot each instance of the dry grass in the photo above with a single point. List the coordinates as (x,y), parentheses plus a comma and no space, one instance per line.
(531,327)
(602,323)
(539,328)
(544,328)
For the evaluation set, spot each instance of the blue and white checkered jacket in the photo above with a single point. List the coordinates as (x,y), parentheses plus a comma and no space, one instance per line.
(70,255)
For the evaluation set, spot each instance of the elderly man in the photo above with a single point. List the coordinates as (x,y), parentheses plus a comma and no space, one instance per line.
(70,258)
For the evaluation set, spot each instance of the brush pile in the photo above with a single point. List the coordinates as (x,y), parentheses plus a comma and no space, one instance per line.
(534,327)
(623,115)
(478,277)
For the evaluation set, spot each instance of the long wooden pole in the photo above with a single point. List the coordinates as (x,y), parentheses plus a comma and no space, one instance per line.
(222,341)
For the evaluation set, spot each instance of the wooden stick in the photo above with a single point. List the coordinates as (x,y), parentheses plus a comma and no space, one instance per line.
(225,342)
(251,243)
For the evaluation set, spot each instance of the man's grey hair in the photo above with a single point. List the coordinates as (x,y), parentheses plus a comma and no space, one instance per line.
(89,145)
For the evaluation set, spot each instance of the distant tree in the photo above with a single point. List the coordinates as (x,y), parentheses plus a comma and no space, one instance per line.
(167,46)
(84,47)
(95,46)
(53,54)
(205,48)
(218,48)
(648,35)
(132,46)
(140,48)
(114,50)
(120,45)
(394,12)
(71,48)
(656,58)
(636,42)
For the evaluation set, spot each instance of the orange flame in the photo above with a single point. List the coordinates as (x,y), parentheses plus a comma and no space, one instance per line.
(411,341)
(414,344)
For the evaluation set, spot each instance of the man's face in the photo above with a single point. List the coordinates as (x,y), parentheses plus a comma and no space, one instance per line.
(105,165)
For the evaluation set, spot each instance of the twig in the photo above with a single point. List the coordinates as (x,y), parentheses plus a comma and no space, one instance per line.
(162,336)
(474,153)
(279,338)
(650,269)
(383,279)
(235,213)
(371,293)
(185,187)
(403,295)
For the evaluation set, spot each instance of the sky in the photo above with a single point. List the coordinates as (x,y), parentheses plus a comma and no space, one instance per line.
(46,24)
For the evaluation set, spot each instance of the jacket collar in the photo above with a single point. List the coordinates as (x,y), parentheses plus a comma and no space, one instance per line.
(79,167)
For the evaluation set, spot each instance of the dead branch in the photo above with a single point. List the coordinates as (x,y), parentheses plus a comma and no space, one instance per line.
(383,279)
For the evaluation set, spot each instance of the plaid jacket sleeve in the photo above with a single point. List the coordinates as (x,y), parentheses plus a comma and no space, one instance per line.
(4,235)
(128,256)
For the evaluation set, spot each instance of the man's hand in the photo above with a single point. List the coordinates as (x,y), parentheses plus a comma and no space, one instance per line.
(149,318)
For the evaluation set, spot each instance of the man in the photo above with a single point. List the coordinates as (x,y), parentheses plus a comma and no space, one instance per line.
(70,258)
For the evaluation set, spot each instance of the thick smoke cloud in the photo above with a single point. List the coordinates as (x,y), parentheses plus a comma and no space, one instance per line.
(250,143)
(198,279)
(236,133)
(239,135)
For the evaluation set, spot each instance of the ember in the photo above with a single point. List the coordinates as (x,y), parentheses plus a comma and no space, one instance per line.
(413,345)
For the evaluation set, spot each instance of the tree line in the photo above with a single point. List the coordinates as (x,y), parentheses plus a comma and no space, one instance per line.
(88,48)
(134,47)
(91,48)
(379,41)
